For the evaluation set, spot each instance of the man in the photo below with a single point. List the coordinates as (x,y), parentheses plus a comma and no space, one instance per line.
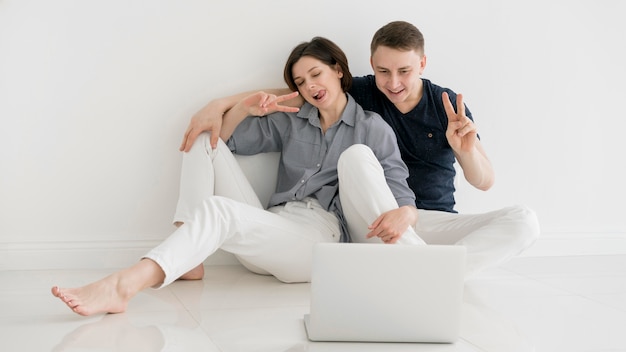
(431,135)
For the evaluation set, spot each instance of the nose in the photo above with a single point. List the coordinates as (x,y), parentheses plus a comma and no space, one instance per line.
(394,80)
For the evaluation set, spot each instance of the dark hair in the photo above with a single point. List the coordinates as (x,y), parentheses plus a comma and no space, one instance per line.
(398,35)
(323,50)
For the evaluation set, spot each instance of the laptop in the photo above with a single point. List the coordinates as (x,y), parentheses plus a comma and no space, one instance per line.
(386,293)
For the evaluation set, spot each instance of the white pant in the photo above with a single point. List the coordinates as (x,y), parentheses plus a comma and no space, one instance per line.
(219,209)
(365,195)
(490,238)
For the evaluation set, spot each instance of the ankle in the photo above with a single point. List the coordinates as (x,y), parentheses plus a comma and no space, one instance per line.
(196,273)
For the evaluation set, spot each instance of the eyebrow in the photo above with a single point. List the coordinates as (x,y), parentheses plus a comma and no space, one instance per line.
(399,68)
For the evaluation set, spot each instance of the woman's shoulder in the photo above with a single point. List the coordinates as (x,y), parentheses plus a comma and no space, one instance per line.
(374,123)
(368,116)
(373,116)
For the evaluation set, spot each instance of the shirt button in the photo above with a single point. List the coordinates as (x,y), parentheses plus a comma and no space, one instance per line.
(318,165)
(430,135)
(301,181)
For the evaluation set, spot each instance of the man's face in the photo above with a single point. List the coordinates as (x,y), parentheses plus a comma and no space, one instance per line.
(398,74)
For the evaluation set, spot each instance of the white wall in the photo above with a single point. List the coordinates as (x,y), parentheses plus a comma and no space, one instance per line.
(95,97)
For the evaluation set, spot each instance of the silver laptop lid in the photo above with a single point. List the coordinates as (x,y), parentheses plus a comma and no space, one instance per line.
(386,293)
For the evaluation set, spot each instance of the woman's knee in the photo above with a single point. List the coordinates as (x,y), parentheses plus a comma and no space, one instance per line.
(354,156)
(203,143)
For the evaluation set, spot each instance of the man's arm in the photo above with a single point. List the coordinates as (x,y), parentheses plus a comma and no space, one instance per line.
(463,138)
(257,104)
(477,167)
(209,118)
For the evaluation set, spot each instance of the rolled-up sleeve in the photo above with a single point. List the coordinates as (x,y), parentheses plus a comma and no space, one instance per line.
(259,134)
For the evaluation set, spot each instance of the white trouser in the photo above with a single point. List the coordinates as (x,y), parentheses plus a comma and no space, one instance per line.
(490,238)
(365,195)
(219,209)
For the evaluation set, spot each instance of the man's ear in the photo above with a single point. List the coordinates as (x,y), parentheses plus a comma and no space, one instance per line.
(422,64)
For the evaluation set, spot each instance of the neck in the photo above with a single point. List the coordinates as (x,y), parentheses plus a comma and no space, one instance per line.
(333,113)
(411,102)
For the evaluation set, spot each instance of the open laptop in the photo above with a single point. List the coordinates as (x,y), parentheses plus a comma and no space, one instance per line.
(386,293)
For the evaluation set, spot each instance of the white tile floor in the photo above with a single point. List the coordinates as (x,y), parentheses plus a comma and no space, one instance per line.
(542,303)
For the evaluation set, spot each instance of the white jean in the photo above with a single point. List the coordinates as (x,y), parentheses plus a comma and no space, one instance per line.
(219,210)
(489,238)
(365,195)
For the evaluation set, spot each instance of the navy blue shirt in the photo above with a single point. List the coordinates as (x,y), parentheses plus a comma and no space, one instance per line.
(421,135)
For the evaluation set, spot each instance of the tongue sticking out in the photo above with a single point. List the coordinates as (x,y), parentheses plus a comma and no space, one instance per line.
(319,95)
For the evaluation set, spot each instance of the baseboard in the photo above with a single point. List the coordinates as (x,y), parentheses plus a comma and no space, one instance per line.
(572,244)
(119,254)
(84,255)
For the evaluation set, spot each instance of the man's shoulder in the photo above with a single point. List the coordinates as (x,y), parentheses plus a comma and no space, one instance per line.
(363,86)
(428,84)
(364,80)
(436,89)
(364,114)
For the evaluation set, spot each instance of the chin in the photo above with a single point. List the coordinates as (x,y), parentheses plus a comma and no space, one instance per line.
(396,98)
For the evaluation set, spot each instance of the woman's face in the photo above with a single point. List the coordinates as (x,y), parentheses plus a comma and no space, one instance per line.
(318,83)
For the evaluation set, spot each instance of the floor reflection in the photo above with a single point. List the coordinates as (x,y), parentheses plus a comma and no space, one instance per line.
(113,332)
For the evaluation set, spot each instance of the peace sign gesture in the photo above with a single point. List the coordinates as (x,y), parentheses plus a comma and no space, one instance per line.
(461,132)
(262,103)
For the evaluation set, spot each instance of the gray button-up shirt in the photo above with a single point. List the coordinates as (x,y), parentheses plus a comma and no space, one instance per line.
(308,163)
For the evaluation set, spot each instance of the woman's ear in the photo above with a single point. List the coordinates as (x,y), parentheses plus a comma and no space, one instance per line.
(339,71)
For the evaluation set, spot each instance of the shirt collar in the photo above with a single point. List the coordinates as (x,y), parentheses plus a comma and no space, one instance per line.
(311,113)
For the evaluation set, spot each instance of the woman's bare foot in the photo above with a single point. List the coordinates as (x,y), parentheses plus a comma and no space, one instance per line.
(104,296)
(196,273)
(111,294)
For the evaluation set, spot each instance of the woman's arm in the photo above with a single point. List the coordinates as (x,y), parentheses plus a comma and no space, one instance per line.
(392,224)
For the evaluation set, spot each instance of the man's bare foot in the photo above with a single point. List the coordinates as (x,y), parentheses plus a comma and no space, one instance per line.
(103,296)
(196,273)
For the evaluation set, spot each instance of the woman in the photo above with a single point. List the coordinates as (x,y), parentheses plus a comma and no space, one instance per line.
(331,150)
